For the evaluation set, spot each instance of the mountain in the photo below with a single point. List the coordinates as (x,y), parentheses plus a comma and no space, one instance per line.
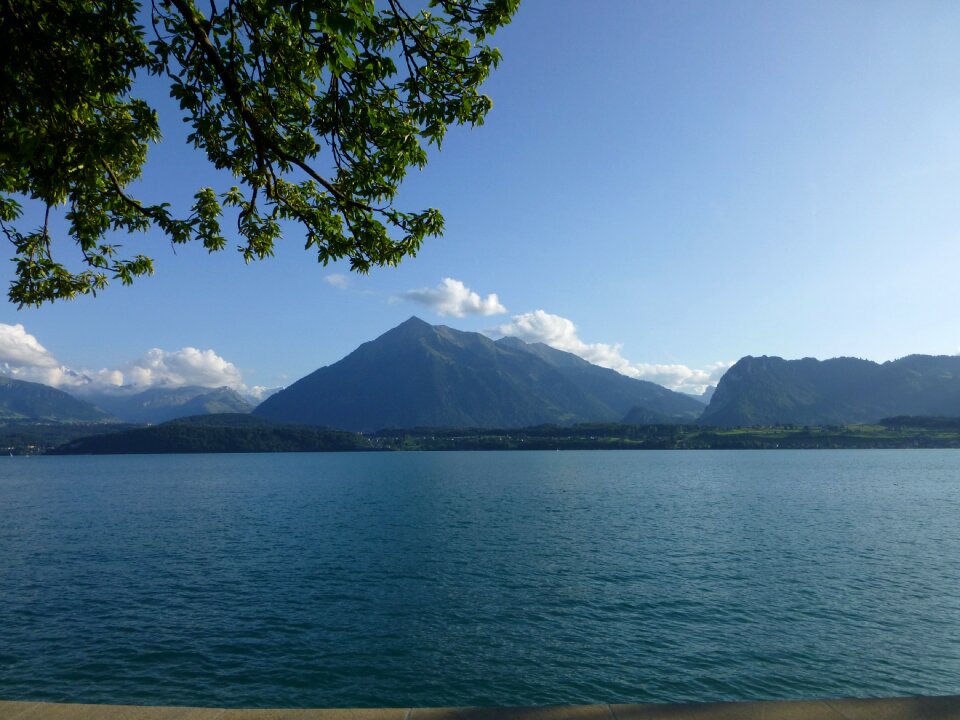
(420,375)
(610,387)
(161,404)
(771,390)
(20,400)
(642,416)
(704,397)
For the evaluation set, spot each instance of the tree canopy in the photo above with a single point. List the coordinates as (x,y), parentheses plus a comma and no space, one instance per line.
(316,108)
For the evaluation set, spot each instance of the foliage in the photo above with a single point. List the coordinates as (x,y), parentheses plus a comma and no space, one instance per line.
(612,436)
(215,434)
(317,108)
(35,437)
(246,433)
(929,423)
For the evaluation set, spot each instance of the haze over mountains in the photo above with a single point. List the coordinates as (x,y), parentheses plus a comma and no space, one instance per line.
(21,400)
(161,404)
(421,375)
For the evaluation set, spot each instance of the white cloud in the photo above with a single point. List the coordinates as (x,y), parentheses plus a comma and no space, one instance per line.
(20,348)
(682,378)
(24,358)
(259,393)
(187,366)
(337,280)
(560,333)
(454,299)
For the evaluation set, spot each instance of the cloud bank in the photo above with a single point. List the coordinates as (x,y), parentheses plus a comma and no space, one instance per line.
(180,368)
(18,348)
(452,298)
(23,357)
(560,333)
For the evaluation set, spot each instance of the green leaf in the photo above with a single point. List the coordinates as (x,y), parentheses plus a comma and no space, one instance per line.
(314,111)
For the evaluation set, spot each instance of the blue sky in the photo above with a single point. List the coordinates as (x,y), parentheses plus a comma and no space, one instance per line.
(661,187)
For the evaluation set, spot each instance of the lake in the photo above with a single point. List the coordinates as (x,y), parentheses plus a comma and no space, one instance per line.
(523,578)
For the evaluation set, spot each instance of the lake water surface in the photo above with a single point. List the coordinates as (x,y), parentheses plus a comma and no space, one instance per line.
(520,578)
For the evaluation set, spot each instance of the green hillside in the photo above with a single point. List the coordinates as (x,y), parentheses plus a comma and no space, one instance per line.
(20,400)
(230,433)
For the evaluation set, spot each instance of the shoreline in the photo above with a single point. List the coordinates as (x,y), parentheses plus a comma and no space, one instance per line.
(896,708)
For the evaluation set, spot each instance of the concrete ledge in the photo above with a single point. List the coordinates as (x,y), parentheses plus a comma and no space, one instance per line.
(912,708)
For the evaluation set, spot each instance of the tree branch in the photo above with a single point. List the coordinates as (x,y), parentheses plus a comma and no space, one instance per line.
(260,138)
(136,205)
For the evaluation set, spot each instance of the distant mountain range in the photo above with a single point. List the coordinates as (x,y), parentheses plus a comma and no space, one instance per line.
(771,390)
(158,405)
(421,375)
(30,401)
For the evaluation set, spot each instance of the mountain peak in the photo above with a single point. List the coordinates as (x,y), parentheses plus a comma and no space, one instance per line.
(510,341)
(419,374)
(414,321)
(411,327)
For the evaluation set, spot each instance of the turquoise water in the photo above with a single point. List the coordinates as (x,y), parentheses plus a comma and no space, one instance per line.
(479,578)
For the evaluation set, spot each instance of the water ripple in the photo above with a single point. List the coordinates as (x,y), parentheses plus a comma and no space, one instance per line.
(496,578)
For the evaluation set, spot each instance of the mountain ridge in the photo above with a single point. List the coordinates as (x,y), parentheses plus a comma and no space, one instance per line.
(161,404)
(769,390)
(422,375)
(20,399)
